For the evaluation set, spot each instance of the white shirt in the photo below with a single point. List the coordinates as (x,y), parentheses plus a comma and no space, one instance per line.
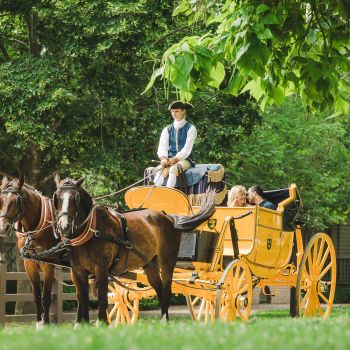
(186,150)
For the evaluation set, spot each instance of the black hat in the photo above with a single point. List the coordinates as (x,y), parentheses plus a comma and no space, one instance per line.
(180,105)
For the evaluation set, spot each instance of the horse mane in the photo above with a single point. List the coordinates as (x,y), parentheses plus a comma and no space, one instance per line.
(13,183)
(85,198)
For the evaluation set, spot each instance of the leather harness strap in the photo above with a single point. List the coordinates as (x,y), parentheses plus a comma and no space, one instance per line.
(45,221)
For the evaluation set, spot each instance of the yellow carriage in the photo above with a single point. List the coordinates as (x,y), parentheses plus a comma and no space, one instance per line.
(249,247)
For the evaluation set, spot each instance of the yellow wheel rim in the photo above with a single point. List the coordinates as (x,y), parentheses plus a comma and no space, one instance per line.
(316,280)
(235,293)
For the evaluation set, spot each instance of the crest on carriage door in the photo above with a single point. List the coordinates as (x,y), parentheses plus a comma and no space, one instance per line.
(212,223)
(269,243)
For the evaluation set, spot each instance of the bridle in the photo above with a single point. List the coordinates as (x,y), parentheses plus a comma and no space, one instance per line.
(68,184)
(19,204)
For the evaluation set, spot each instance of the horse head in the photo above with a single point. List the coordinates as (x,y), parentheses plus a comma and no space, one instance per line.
(71,203)
(12,198)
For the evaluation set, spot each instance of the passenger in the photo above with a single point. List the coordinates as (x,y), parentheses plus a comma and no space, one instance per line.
(255,197)
(175,145)
(237,197)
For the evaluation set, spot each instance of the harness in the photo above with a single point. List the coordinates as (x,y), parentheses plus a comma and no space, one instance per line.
(89,230)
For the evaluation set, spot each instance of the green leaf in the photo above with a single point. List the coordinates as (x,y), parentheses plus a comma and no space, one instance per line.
(266,34)
(270,19)
(154,76)
(262,8)
(217,74)
(278,94)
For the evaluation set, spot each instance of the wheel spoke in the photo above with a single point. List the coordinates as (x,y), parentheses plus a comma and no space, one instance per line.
(314,256)
(305,298)
(323,297)
(319,307)
(319,255)
(243,289)
(309,262)
(325,270)
(241,315)
(324,258)
(236,277)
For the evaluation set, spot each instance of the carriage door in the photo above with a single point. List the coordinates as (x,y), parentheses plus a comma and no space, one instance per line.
(268,237)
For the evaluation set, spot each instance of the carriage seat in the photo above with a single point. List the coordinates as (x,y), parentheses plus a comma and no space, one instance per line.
(195,182)
(288,200)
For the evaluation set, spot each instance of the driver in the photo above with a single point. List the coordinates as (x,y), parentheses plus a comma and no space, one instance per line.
(175,145)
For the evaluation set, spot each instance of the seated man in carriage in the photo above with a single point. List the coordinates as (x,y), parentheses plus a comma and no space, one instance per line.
(175,145)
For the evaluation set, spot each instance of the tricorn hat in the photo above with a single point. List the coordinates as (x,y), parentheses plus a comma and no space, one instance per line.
(180,105)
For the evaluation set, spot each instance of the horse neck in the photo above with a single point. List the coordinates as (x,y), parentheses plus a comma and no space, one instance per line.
(31,213)
(84,212)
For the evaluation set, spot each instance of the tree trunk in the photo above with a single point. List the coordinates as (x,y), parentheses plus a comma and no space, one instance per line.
(31,165)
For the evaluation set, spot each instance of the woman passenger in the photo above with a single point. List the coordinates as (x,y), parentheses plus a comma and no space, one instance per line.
(237,197)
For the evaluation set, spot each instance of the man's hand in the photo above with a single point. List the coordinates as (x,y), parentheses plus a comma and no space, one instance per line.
(173,161)
(164,162)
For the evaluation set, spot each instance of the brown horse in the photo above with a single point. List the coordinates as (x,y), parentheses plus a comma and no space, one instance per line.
(23,205)
(105,242)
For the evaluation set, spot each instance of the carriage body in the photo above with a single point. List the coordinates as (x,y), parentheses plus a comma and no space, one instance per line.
(268,251)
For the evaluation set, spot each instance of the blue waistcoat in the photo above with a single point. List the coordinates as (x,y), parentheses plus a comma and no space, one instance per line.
(181,136)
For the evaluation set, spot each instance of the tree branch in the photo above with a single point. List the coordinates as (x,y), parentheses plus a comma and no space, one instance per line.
(18,42)
(315,11)
(4,51)
(168,34)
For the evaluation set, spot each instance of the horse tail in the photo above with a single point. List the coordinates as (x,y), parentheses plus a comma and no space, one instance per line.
(189,223)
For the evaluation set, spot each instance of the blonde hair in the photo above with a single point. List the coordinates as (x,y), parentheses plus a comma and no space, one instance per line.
(234,192)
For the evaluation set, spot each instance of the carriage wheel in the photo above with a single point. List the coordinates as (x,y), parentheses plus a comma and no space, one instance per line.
(201,309)
(235,293)
(124,310)
(316,280)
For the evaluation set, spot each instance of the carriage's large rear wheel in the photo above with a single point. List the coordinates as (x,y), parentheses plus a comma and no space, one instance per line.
(316,279)
(201,309)
(235,293)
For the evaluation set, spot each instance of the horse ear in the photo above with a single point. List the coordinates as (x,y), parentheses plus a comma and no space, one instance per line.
(5,181)
(21,181)
(79,182)
(57,178)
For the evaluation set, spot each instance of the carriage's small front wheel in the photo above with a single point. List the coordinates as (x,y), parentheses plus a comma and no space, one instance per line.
(316,279)
(202,309)
(125,310)
(235,293)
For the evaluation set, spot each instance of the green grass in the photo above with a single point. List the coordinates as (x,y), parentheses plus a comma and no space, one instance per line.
(268,330)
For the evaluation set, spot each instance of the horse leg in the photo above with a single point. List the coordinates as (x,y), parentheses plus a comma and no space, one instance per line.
(32,270)
(48,281)
(153,276)
(82,289)
(102,294)
(167,262)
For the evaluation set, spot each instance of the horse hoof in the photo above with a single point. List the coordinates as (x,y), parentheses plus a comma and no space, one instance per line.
(164,319)
(39,325)
(77,325)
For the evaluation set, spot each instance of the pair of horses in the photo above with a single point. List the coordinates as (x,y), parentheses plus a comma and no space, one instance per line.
(101,241)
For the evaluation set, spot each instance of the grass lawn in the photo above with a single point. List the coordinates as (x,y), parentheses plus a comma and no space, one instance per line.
(266,330)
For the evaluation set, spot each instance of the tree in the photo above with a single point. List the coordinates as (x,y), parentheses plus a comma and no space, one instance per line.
(71,75)
(270,48)
(313,152)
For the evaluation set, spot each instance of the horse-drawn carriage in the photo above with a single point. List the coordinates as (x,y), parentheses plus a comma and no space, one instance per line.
(236,250)
(231,251)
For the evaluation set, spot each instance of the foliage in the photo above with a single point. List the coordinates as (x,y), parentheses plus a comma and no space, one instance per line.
(269,48)
(267,330)
(311,151)
(71,74)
